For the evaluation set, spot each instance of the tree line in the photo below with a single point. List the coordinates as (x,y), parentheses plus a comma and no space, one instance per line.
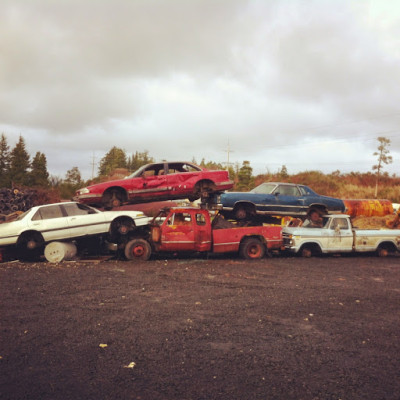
(17,169)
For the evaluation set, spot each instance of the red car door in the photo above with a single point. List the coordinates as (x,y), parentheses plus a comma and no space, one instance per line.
(181,177)
(152,183)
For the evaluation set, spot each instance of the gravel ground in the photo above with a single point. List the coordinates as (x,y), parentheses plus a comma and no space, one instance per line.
(218,328)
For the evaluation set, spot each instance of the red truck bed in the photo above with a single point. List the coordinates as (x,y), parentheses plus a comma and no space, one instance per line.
(228,240)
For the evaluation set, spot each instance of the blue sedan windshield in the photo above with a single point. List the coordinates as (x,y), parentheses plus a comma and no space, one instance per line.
(264,188)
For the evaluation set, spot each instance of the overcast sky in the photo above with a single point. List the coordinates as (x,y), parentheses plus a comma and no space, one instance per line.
(306,84)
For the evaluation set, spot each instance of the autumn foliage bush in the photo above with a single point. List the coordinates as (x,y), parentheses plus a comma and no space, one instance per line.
(353,185)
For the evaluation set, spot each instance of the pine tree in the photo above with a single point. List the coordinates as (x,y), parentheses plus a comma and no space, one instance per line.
(283,172)
(39,175)
(19,164)
(245,177)
(4,162)
(139,159)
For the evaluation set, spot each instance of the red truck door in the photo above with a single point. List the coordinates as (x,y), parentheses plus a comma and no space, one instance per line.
(186,230)
(177,233)
(202,232)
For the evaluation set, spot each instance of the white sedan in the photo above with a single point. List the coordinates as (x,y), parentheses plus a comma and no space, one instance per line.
(65,221)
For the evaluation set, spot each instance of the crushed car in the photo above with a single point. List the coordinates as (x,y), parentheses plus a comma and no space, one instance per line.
(276,198)
(32,230)
(156,182)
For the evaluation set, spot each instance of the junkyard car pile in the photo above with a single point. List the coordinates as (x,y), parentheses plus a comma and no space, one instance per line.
(243,224)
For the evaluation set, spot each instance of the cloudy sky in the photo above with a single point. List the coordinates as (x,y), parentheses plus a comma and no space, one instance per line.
(302,83)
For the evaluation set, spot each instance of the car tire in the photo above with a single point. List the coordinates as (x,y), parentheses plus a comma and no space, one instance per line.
(306,252)
(112,199)
(203,190)
(138,249)
(243,212)
(382,251)
(321,211)
(121,227)
(30,246)
(252,249)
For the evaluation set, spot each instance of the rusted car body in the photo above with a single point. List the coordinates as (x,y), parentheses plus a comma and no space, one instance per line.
(368,207)
(157,182)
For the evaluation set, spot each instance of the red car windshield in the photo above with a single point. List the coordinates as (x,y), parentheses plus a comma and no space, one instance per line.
(159,169)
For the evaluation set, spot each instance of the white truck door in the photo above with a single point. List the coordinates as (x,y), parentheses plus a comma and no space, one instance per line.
(340,236)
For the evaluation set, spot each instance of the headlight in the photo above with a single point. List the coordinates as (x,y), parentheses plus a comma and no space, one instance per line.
(84,191)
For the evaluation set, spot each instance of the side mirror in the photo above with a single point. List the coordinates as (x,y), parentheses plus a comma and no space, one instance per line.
(337,229)
(276,193)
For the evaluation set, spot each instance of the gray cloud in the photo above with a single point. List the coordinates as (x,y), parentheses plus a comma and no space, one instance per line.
(279,79)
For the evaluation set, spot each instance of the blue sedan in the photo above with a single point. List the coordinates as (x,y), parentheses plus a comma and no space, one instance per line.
(278,199)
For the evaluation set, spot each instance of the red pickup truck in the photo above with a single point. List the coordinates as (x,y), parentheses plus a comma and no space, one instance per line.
(188,229)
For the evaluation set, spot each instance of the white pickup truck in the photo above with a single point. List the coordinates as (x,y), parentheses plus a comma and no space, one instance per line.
(338,236)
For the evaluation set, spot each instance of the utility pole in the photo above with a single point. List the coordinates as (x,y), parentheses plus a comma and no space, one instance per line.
(228,151)
(93,164)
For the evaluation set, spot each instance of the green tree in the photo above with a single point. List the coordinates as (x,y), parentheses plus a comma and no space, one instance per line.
(283,174)
(19,164)
(245,177)
(54,181)
(232,173)
(211,165)
(73,177)
(115,158)
(71,183)
(139,159)
(39,176)
(383,158)
(4,162)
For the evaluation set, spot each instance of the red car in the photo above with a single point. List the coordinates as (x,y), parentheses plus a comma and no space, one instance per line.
(156,182)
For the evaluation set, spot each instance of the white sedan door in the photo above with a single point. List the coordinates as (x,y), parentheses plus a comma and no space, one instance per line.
(84,220)
(51,222)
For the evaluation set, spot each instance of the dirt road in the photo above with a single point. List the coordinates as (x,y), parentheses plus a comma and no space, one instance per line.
(222,328)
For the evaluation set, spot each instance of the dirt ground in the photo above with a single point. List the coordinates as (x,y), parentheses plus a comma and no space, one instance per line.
(217,328)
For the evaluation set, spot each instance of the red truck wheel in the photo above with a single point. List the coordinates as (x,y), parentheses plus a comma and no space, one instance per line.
(252,248)
(138,249)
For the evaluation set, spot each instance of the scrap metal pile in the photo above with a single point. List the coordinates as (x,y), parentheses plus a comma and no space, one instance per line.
(15,201)
(386,222)
(12,200)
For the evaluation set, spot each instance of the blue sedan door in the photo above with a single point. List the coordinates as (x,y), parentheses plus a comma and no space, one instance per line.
(289,200)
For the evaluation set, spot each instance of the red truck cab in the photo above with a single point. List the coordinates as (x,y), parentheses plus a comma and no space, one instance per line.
(188,229)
